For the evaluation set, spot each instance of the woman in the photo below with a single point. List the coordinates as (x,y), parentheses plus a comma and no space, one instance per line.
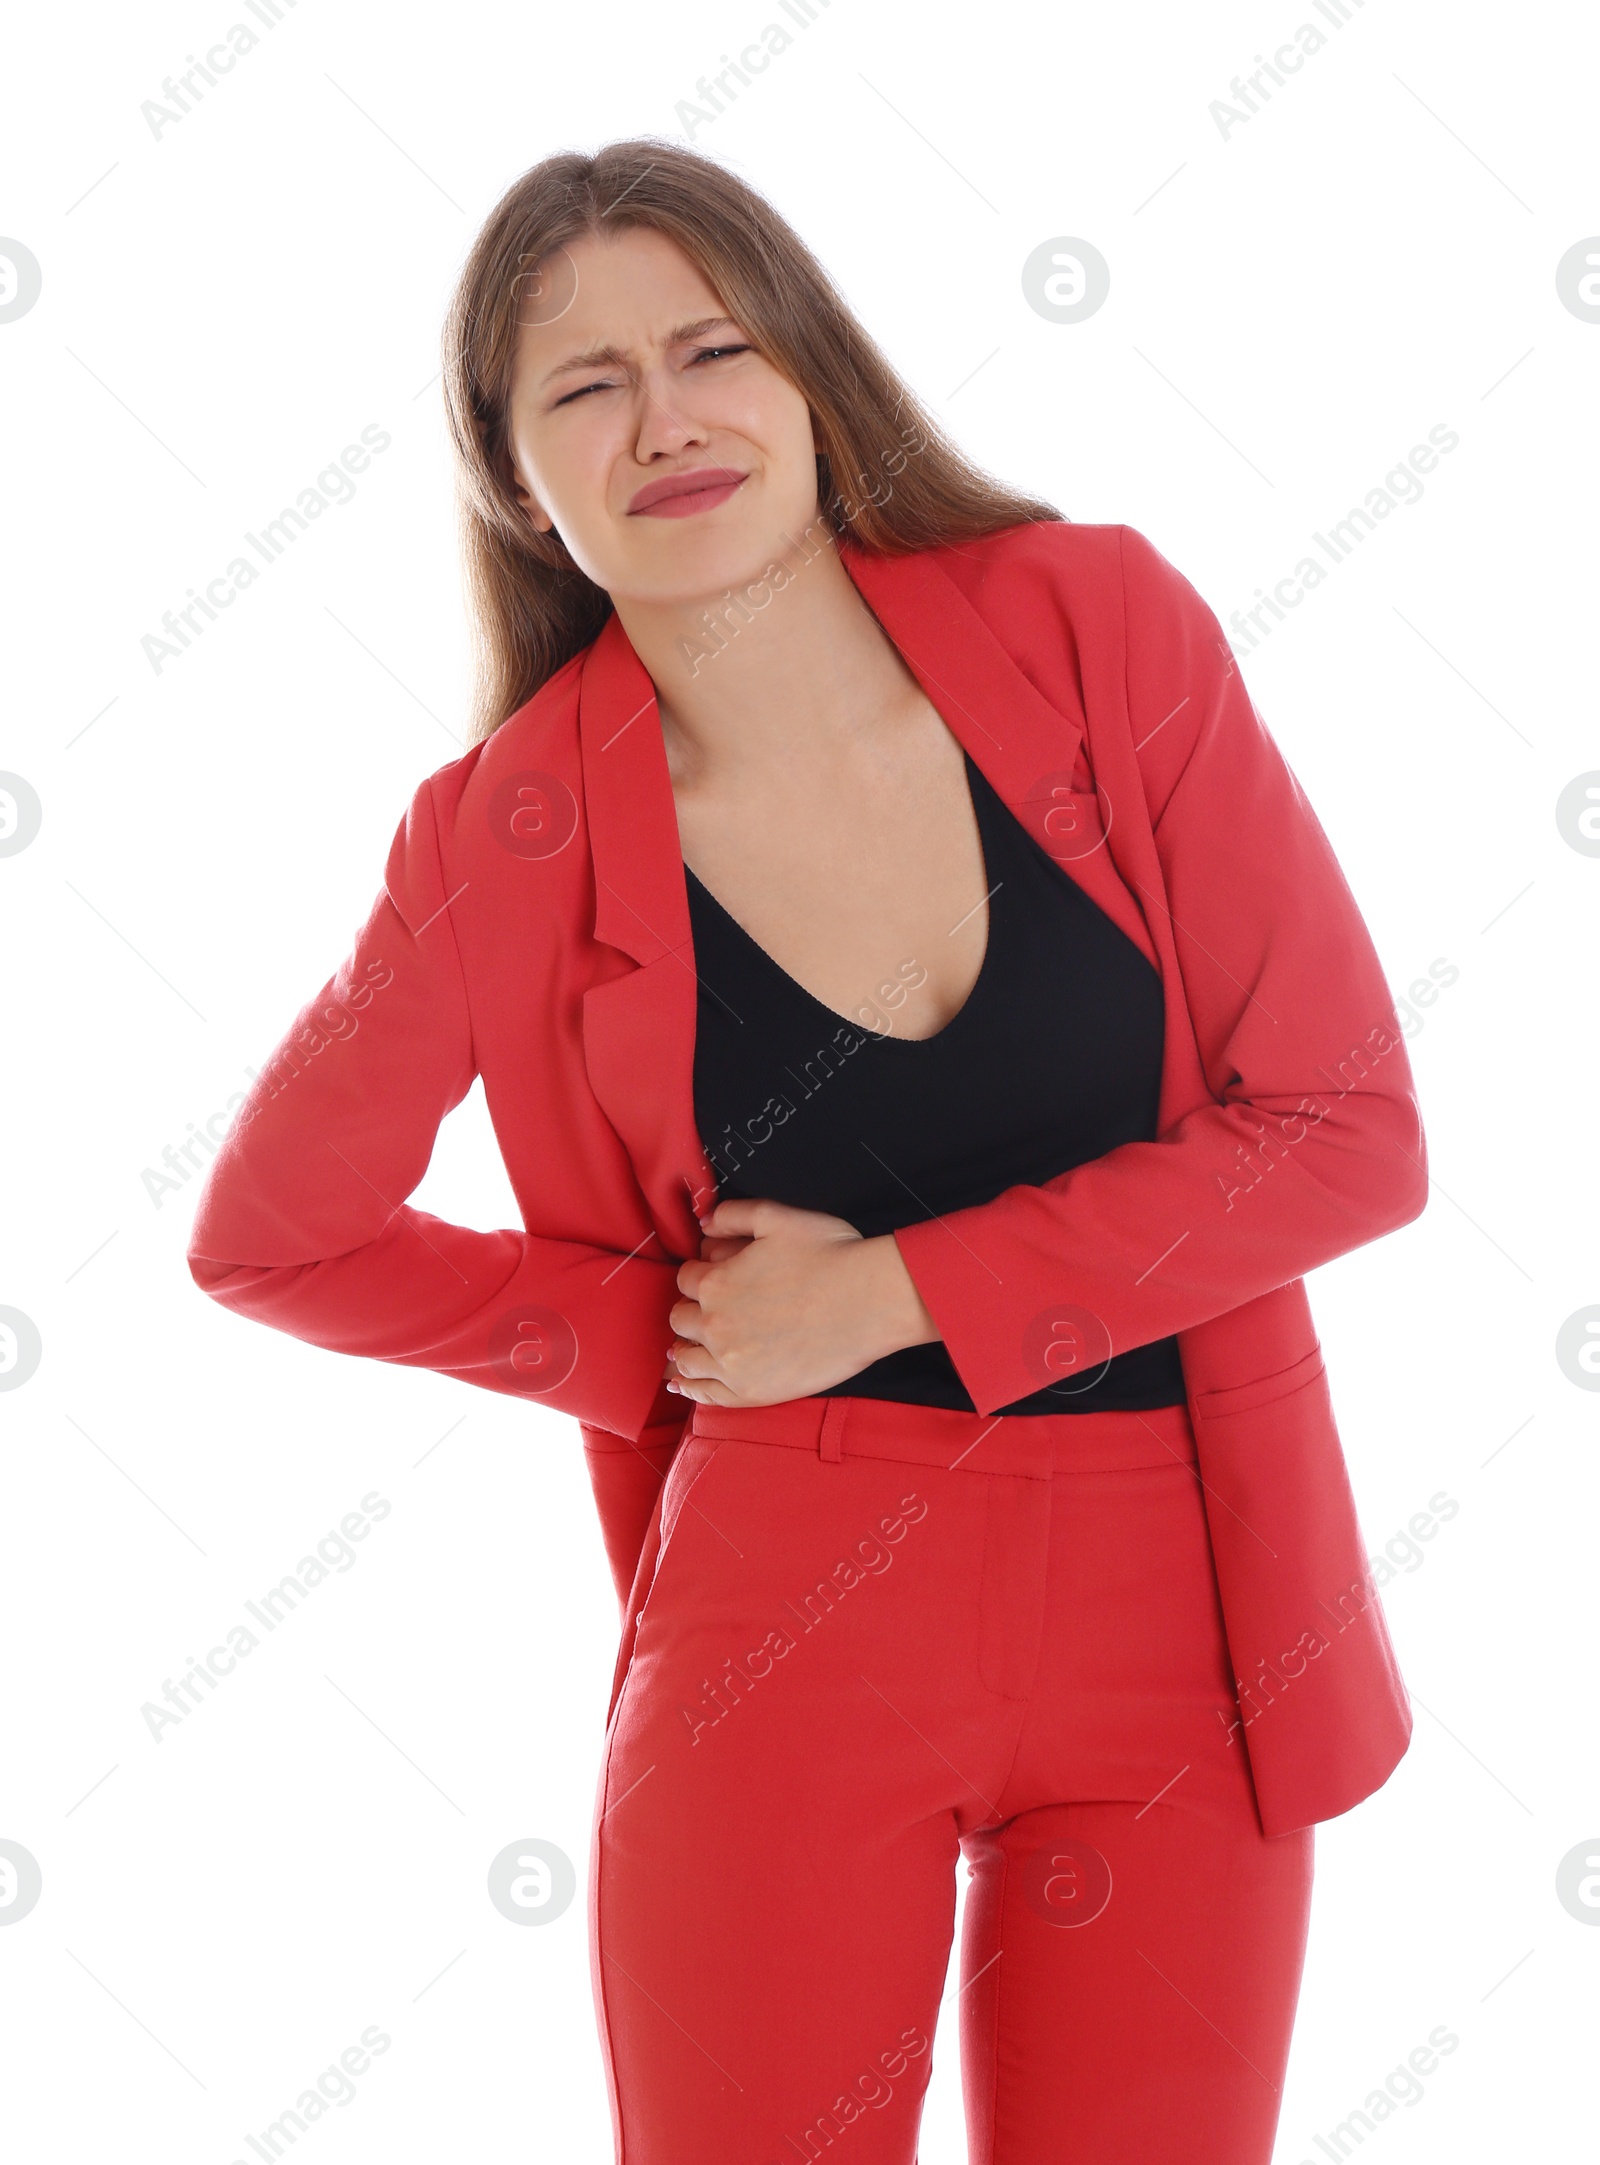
(930,1038)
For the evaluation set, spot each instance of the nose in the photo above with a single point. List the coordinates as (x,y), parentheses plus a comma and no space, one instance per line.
(664,429)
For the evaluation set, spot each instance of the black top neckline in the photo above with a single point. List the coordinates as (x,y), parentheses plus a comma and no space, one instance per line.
(980,984)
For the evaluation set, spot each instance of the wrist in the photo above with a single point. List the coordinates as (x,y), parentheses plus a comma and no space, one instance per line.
(906,1318)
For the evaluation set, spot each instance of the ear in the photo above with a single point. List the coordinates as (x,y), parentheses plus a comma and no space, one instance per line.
(538,517)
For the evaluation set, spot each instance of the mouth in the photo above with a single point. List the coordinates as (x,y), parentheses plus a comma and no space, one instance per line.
(679,496)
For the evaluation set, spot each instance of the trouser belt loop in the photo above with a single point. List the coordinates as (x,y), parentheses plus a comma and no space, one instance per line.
(832,1437)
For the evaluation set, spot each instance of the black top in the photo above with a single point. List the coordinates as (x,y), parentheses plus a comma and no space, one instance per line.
(1054,1059)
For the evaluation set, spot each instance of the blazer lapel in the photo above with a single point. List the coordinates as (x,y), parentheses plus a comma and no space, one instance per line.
(639,1026)
(1027,747)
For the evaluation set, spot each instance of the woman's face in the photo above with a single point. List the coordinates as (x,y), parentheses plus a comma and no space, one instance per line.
(629,373)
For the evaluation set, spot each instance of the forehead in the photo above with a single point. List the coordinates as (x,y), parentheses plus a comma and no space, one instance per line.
(627,290)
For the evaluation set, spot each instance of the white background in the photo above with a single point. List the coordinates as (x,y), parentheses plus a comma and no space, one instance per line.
(224,307)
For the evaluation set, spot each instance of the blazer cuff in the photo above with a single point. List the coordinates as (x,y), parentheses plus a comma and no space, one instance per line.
(948,1278)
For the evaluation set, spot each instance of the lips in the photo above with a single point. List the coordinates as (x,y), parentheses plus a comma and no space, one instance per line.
(676,496)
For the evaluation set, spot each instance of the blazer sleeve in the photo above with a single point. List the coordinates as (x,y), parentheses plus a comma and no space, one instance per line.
(1312,1144)
(303,1221)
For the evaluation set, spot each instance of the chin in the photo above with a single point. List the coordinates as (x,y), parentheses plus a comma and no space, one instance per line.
(701,567)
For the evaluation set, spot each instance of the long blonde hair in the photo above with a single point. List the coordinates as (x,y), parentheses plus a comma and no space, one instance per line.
(887,473)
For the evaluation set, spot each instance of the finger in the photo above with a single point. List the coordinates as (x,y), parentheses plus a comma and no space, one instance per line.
(707,1392)
(686,1319)
(747,1215)
(693,1363)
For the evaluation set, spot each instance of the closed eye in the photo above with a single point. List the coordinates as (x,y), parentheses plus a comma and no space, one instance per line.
(706,353)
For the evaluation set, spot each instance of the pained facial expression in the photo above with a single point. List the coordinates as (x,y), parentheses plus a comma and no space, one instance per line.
(671,387)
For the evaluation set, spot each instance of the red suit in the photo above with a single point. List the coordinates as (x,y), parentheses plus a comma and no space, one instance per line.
(533,929)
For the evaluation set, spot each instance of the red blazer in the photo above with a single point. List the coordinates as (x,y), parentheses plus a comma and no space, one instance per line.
(533,928)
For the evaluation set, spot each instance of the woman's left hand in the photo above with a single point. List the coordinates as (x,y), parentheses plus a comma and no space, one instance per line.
(784,1302)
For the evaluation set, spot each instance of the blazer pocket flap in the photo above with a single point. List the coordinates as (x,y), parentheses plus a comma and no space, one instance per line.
(1261,1390)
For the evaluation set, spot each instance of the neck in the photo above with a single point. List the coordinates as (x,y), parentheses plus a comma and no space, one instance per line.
(791,664)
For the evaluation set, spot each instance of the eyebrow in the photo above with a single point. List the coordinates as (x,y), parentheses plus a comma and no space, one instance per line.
(613,356)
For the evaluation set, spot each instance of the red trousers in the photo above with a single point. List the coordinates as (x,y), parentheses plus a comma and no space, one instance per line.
(866,1638)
